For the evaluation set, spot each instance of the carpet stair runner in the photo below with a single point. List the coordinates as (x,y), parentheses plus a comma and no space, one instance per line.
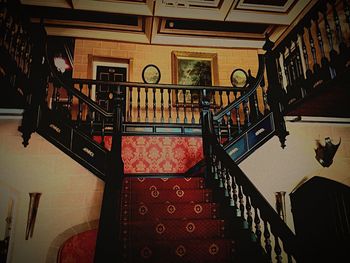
(172,220)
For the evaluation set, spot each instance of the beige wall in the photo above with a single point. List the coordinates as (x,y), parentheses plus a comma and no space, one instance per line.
(142,55)
(273,169)
(71,195)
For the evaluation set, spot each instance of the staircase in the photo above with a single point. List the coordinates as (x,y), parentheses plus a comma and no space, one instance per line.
(174,219)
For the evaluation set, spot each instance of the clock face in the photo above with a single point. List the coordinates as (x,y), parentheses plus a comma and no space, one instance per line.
(151,74)
(239,78)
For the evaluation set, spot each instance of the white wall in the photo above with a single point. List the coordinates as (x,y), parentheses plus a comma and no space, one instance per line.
(273,169)
(71,195)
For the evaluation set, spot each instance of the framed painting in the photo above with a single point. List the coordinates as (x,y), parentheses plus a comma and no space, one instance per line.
(193,69)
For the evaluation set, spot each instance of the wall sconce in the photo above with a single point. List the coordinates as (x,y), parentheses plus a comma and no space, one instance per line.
(281,204)
(325,154)
(33,209)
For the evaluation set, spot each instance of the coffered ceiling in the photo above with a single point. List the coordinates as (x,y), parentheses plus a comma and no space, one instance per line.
(214,23)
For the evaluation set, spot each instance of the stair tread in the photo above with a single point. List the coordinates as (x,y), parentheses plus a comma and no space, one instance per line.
(150,210)
(196,250)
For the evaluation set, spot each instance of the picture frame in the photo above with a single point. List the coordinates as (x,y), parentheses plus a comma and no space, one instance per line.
(151,74)
(193,69)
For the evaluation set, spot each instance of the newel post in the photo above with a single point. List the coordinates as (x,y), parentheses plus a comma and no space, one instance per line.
(207,132)
(108,245)
(35,89)
(275,92)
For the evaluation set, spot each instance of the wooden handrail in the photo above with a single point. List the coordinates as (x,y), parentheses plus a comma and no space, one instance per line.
(252,89)
(267,213)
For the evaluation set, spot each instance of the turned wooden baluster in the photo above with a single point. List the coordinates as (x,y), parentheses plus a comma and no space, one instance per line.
(229,187)
(80,108)
(184,103)
(103,132)
(316,67)
(278,250)
(146,104)
(238,119)
(169,105)
(229,125)
(257,226)
(267,235)
(264,96)
(347,12)
(241,205)
(192,108)
(154,105)
(162,106)
(138,104)
(228,98)
(221,101)
(235,195)
(249,214)
(177,106)
(220,131)
(246,113)
(324,61)
(339,33)
(130,104)
(225,180)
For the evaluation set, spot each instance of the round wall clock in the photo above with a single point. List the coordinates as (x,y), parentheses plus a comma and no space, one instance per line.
(151,74)
(239,78)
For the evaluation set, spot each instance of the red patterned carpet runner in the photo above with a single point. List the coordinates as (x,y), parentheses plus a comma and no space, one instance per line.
(163,220)
(172,220)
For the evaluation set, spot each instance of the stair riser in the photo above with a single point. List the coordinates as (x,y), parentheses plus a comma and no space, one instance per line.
(171,196)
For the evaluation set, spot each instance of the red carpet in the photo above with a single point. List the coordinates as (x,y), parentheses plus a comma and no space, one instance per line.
(172,220)
(169,220)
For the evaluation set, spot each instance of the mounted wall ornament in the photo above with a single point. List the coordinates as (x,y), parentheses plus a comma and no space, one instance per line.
(151,74)
(32,211)
(325,153)
(239,78)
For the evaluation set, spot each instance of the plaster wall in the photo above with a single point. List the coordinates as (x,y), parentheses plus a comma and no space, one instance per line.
(71,195)
(273,169)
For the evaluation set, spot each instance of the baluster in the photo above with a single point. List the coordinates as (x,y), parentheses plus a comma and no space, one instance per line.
(103,132)
(225,179)
(286,73)
(130,104)
(249,214)
(246,113)
(177,105)
(228,125)
(309,77)
(169,105)
(332,53)
(154,105)
(184,100)
(219,132)
(229,187)
(325,73)
(220,174)
(80,109)
(214,102)
(278,250)
(221,102)
(146,104)
(257,226)
(316,67)
(57,97)
(268,247)
(238,119)
(347,12)
(235,195)
(241,206)
(138,104)
(228,97)
(162,105)
(264,95)
(192,108)
(338,30)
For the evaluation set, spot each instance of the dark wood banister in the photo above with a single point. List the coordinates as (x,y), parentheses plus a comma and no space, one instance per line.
(253,88)
(267,213)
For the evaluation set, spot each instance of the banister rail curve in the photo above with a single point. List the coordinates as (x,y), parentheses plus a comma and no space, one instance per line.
(245,96)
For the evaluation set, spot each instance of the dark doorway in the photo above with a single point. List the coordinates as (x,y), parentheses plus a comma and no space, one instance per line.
(104,95)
